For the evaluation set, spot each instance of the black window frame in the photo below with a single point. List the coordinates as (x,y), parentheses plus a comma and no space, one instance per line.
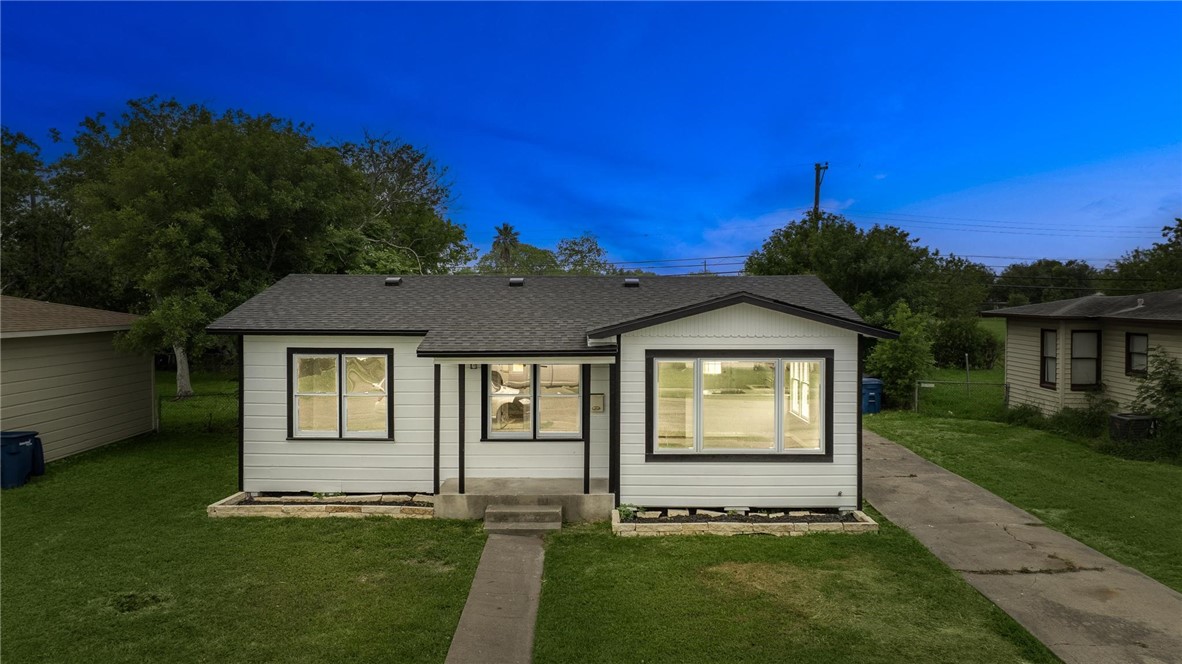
(1129,353)
(584,404)
(652,456)
(340,353)
(1042,359)
(1083,387)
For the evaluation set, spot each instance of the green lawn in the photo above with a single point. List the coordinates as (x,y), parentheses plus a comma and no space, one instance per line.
(994,326)
(820,598)
(1122,508)
(110,557)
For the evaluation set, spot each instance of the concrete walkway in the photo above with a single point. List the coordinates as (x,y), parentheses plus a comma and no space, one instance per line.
(1083,605)
(497,625)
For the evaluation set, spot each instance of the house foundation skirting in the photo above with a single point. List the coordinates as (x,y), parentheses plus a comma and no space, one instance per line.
(864,524)
(232,506)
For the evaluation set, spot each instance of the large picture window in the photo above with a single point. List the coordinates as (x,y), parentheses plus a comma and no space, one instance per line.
(339,393)
(714,406)
(534,401)
(1048,358)
(1085,359)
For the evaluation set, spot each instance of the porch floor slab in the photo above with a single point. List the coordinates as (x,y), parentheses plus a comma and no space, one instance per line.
(480,492)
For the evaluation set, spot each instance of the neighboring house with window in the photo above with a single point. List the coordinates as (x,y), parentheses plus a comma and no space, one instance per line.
(61,375)
(1058,352)
(660,391)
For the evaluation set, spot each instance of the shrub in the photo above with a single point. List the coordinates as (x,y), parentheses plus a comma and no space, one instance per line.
(1160,395)
(903,361)
(1024,415)
(956,337)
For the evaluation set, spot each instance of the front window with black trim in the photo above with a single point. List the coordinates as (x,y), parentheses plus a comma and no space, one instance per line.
(739,405)
(533,401)
(1048,364)
(1085,359)
(339,394)
(1136,354)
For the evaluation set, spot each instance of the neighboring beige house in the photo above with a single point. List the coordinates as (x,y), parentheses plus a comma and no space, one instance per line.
(1056,352)
(60,375)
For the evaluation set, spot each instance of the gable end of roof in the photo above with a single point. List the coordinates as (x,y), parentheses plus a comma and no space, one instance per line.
(740,297)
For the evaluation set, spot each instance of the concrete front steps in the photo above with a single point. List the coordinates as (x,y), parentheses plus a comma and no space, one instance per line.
(526,520)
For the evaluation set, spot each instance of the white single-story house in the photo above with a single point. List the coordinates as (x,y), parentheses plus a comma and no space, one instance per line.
(1059,352)
(657,391)
(61,375)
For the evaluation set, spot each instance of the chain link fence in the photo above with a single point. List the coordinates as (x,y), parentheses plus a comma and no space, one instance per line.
(975,401)
(201,412)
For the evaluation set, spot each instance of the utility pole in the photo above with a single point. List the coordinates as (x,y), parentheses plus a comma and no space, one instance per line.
(819,177)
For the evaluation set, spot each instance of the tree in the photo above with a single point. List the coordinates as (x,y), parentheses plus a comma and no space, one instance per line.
(870,269)
(950,287)
(526,260)
(1154,269)
(403,226)
(504,245)
(583,255)
(194,212)
(37,235)
(901,362)
(1045,280)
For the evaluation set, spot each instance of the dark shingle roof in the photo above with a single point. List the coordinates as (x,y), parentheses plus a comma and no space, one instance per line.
(484,315)
(1165,306)
(20,315)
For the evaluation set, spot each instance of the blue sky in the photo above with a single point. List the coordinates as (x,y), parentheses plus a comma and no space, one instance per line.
(682,130)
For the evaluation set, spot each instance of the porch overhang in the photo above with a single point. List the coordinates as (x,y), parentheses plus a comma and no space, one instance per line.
(519,357)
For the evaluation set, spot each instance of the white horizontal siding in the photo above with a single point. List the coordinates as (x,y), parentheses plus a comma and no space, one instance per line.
(754,483)
(77,391)
(273,463)
(1117,385)
(1024,361)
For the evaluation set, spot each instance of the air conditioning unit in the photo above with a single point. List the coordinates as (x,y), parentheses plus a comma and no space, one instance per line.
(1130,426)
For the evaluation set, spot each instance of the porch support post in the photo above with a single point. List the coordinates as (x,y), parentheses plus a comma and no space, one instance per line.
(586,428)
(861,368)
(461,427)
(613,463)
(438,373)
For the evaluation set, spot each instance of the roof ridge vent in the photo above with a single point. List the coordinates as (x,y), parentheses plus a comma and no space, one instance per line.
(516,281)
(631,282)
(393,281)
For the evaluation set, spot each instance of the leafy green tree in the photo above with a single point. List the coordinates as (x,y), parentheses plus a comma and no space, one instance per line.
(194,212)
(871,269)
(1154,269)
(403,226)
(949,287)
(901,362)
(37,246)
(1045,280)
(583,255)
(526,260)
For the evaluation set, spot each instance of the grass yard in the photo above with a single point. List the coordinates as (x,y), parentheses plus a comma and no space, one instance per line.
(820,598)
(110,557)
(1122,508)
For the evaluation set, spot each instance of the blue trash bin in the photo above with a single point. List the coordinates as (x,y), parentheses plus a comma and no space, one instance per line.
(871,395)
(16,457)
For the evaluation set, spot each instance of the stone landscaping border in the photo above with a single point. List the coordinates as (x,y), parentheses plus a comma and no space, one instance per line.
(864,524)
(311,508)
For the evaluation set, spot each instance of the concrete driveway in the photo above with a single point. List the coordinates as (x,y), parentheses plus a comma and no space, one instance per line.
(1083,605)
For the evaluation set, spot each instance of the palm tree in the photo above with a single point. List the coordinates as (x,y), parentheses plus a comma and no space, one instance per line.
(504,244)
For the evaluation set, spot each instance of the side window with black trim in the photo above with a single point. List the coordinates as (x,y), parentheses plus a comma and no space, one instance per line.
(340,394)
